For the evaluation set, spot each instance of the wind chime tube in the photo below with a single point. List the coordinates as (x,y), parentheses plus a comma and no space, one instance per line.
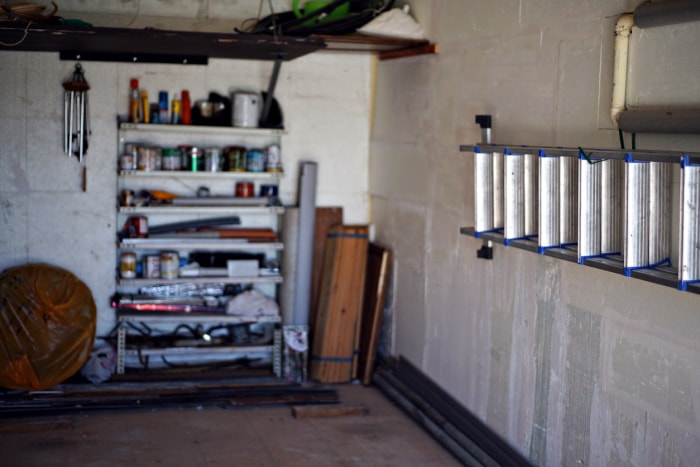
(66,135)
(71,112)
(81,110)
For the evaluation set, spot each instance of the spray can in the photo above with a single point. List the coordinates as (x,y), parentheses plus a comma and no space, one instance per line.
(175,111)
(134,101)
(186,108)
(144,107)
(163,107)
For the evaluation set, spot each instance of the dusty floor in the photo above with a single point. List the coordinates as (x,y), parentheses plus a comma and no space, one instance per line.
(253,436)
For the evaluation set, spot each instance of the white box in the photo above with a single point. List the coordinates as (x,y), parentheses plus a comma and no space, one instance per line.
(243,267)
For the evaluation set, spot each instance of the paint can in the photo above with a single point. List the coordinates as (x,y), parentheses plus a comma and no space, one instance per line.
(127,162)
(127,265)
(245,189)
(149,158)
(169,264)
(172,159)
(246,109)
(255,160)
(273,158)
(212,160)
(234,158)
(151,266)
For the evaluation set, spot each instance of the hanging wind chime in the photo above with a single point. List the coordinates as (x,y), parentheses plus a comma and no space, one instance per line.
(76,118)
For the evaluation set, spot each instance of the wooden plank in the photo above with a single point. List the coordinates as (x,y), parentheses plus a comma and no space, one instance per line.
(21,426)
(336,333)
(409,52)
(317,411)
(326,217)
(376,286)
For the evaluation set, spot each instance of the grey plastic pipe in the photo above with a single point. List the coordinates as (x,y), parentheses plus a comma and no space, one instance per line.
(650,120)
(662,13)
(661,120)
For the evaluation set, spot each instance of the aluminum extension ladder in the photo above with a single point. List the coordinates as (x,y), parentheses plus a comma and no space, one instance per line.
(603,203)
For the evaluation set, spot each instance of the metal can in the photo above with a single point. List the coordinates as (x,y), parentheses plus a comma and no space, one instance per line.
(212,160)
(269,190)
(245,189)
(127,265)
(273,158)
(234,158)
(172,159)
(169,264)
(127,162)
(149,158)
(136,227)
(151,266)
(255,160)
(132,148)
(193,158)
(127,198)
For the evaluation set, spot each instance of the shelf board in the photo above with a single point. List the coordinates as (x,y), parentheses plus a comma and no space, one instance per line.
(265,176)
(142,282)
(219,244)
(151,45)
(135,317)
(385,47)
(149,210)
(173,351)
(199,129)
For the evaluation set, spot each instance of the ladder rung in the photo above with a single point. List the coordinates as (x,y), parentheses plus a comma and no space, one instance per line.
(689,267)
(548,230)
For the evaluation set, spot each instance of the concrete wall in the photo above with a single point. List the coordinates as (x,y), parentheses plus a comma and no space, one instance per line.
(45,216)
(572,365)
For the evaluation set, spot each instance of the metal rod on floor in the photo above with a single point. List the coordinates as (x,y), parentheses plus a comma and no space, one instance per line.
(437,426)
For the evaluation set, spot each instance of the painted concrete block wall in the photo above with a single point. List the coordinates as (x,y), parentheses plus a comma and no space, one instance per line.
(45,216)
(571,365)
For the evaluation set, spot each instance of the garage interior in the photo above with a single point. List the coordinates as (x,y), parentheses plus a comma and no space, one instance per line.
(554,354)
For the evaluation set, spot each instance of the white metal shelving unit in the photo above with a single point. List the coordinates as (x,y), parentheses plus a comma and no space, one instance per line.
(252,212)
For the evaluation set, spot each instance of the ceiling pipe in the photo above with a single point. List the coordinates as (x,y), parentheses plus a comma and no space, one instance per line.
(652,14)
(642,119)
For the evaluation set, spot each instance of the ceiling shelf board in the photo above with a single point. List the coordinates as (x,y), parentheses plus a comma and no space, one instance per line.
(121,43)
(190,47)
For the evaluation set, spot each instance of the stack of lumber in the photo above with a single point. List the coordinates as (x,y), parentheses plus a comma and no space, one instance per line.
(336,335)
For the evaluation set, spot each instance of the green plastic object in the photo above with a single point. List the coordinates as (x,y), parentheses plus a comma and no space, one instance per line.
(340,12)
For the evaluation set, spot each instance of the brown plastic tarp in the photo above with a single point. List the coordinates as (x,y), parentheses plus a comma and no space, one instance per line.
(47,326)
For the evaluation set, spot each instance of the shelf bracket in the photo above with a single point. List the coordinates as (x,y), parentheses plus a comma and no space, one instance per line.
(271,90)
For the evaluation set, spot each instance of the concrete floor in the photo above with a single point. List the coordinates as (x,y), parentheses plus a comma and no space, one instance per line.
(253,436)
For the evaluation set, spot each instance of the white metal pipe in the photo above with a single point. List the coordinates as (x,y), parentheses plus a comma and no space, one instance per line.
(623,29)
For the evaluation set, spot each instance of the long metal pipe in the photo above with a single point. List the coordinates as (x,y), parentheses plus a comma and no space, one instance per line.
(652,14)
(436,427)
(660,120)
